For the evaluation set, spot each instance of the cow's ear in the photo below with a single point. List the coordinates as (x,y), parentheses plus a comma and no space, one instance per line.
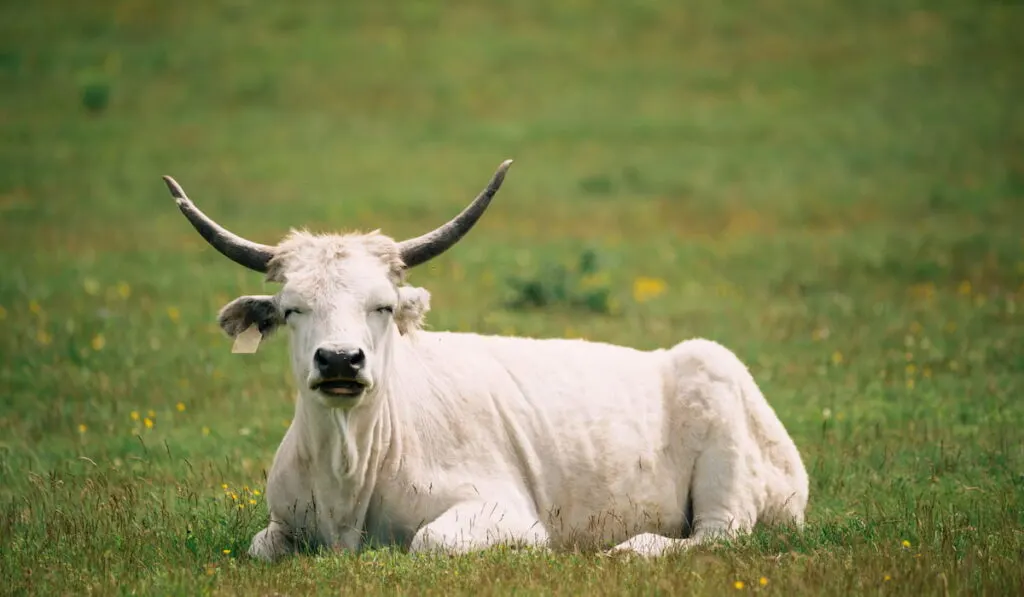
(413,304)
(236,316)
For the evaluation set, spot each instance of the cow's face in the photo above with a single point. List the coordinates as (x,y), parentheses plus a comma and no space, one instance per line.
(342,303)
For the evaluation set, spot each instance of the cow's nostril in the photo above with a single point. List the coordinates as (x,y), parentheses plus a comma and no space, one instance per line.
(321,357)
(356,357)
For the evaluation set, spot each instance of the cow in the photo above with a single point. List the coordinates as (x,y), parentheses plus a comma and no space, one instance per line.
(436,441)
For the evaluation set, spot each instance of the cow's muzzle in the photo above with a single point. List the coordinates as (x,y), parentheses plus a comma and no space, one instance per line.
(340,371)
(339,363)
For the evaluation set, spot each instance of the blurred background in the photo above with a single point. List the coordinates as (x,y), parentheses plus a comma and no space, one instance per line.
(748,172)
(744,172)
(759,117)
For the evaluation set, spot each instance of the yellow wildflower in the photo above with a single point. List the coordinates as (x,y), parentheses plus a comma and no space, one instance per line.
(256,492)
(234,496)
(43,337)
(180,406)
(251,501)
(226,551)
(739,585)
(35,308)
(965,287)
(124,290)
(763,581)
(241,506)
(223,485)
(91,286)
(906,544)
(887,578)
(837,357)
(82,428)
(148,423)
(134,415)
(206,430)
(173,314)
(98,342)
(911,369)
(645,288)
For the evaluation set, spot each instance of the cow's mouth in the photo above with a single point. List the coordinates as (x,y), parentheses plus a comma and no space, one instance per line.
(340,387)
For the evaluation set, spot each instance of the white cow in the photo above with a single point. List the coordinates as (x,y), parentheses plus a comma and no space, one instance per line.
(458,441)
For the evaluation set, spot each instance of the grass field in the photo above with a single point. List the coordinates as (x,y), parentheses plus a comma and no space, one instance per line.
(833,190)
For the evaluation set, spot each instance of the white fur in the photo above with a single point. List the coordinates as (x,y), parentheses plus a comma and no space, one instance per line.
(465,441)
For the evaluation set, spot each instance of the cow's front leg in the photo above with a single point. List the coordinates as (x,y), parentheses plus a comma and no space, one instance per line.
(272,543)
(477,525)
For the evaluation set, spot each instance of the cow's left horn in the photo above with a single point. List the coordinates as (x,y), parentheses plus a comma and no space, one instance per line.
(243,252)
(421,249)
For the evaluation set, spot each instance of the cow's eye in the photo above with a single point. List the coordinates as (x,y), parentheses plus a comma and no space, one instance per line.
(291,311)
(385,309)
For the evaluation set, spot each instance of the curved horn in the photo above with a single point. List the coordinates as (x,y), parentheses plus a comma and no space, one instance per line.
(243,252)
(421,249)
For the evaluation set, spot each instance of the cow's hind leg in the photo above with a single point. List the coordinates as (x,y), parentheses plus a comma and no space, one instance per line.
(477,525)
(722,507)
(726,484)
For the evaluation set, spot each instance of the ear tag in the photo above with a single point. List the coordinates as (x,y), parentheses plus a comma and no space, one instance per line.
(248,341)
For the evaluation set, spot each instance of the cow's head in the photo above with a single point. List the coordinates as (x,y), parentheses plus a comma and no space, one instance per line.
(342,297)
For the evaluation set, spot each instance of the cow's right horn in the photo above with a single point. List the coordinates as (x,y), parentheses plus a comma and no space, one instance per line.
(243,252)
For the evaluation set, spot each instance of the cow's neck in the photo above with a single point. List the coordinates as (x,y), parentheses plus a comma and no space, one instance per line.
(343,440)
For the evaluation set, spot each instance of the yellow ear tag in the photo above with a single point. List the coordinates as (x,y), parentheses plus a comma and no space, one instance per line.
(248,341)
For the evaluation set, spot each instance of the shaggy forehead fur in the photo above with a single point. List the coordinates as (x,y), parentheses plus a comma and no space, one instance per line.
(318,256)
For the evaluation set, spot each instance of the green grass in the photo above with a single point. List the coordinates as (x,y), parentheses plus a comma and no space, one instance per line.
(833,190)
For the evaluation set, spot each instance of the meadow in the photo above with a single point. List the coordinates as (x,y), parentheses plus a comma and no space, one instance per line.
(833,190)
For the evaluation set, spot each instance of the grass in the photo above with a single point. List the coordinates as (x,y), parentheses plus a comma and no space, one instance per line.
(834,190)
